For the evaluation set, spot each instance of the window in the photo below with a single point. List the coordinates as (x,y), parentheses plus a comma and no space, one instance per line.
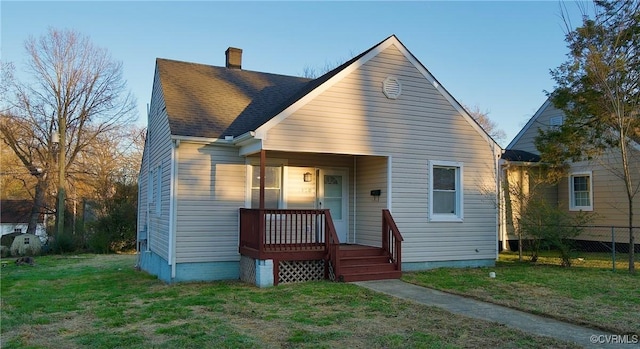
(17,231)
(272,187)
(26,241)
(556,121)
(154,190)
(580,192)
(445,191)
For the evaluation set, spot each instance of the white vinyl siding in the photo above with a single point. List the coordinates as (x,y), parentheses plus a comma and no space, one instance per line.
(156,160)
(371,174)
(210,189)
(355,117)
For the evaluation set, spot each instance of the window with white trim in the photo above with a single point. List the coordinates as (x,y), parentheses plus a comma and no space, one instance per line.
(445,191)
(580,191)
(272,187)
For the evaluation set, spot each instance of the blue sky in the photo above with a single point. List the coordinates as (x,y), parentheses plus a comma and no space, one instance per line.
(494,55)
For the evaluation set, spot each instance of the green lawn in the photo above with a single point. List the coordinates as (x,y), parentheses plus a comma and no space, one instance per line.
(100,301)
(589,293)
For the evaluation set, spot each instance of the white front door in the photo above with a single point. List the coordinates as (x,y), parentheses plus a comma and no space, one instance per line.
(333,194)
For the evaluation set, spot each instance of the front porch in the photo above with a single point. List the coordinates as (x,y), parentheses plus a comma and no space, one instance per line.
(286,245)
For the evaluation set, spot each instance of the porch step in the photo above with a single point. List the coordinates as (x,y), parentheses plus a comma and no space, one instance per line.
(372,276)
(362,263)
(364,260)
(360,251)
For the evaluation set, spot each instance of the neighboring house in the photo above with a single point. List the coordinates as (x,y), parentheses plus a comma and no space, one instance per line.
(373,145)
(14,218)
(590,186)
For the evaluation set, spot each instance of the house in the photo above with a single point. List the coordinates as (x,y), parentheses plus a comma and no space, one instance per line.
(590,186)
(14,218)
(368,170)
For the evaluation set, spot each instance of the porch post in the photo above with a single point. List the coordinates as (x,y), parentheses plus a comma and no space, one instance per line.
(263,161)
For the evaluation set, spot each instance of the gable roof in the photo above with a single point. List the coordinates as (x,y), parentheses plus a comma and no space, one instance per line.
(529,123)
(547,103)
(17,211)
(213,102)
(324,82)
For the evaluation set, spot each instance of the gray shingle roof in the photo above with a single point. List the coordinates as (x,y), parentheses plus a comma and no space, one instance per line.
(212,102)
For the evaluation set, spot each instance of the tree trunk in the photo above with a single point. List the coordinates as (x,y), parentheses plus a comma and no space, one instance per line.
(632,246)
(38,203)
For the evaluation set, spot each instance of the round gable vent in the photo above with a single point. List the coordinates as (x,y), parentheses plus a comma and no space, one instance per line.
(391,87)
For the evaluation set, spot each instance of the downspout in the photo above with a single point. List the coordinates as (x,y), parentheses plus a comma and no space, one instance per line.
(498,197)
(147,219)
(172,207)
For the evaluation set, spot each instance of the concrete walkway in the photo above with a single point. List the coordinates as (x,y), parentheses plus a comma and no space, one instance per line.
(588,338)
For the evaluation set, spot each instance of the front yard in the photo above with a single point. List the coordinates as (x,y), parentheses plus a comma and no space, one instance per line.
(589,293)
(100,301)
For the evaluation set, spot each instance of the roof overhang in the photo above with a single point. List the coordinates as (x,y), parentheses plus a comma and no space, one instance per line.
(248,143)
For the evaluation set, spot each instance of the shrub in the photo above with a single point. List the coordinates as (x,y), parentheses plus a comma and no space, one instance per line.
(552,228)
(4,251)
(63,243)
(115,229)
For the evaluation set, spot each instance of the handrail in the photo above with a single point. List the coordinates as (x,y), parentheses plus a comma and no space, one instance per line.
(391,239)
(332,246)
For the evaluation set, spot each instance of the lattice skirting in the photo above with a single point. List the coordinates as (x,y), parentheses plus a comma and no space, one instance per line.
(332,274)
(248,269)
(300,271)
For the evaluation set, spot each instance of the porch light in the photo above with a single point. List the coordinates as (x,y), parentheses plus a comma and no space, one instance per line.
(307,177)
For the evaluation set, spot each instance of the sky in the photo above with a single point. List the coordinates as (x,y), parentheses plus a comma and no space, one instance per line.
(496,55)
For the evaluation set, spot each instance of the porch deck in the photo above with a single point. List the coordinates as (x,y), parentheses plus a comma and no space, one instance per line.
(309,235)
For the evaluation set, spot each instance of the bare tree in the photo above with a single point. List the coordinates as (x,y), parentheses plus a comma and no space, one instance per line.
(76,93)
(482,118)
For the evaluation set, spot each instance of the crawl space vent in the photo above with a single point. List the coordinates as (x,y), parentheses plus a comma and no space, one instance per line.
(391,87)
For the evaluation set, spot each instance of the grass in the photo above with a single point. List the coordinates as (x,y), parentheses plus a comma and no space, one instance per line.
(100,301)
(589,293)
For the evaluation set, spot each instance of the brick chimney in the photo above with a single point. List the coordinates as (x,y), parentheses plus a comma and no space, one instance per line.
(234,58)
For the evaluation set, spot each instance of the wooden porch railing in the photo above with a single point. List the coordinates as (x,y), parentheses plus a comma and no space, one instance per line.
(305,235)
(391,239)
(296,234)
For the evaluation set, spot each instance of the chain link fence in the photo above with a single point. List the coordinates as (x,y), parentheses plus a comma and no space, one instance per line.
(595,246)
(610,242)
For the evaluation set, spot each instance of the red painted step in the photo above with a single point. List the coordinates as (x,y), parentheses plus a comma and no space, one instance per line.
(363,263)
(372,276)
